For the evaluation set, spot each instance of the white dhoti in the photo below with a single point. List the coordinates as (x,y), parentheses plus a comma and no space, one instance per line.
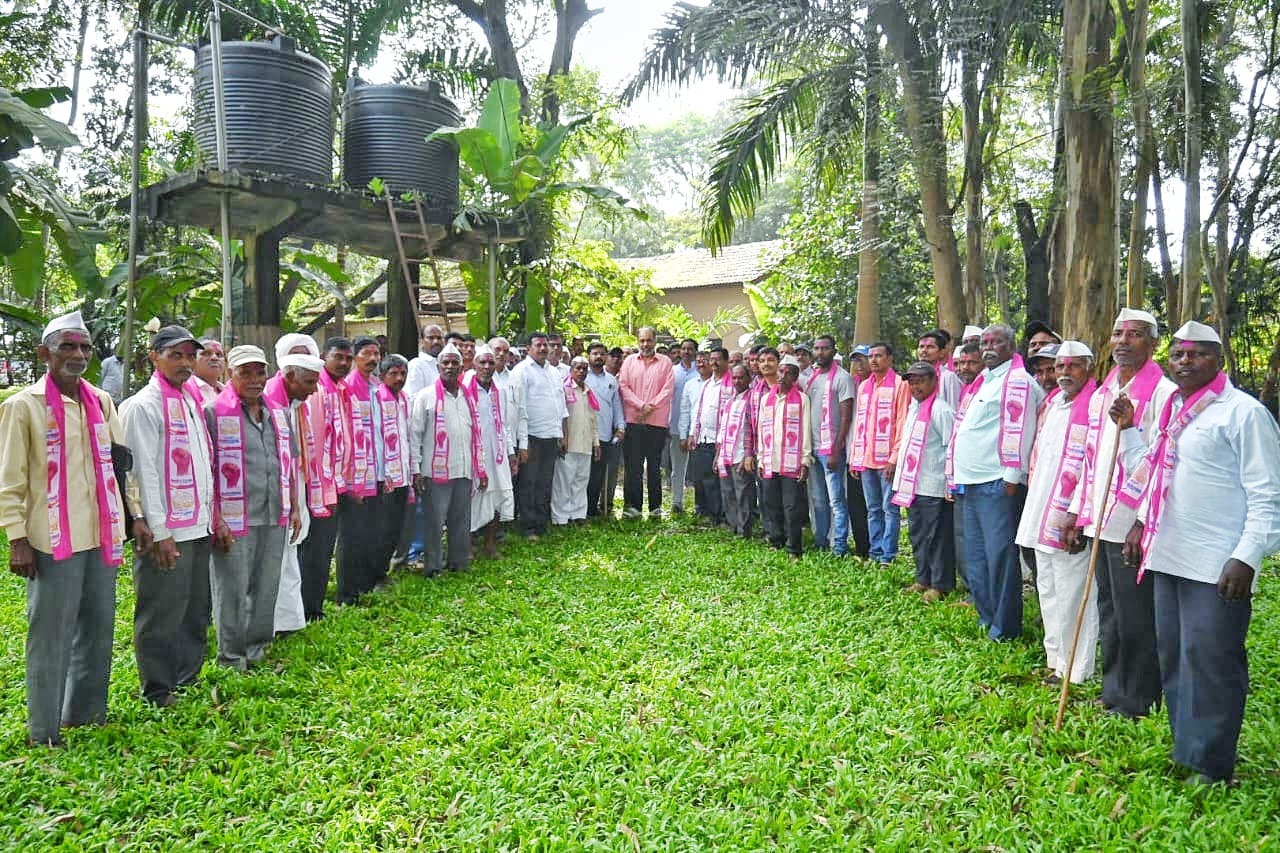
(492,504)
(569,488)
(290,615)
(1060,583)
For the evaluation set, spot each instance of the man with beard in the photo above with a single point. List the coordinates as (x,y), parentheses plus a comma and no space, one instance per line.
(988,458)
(164,423)
(446,438)
(1206,490)
(647,384)
(497,413)
(611,426)
(331,427)
(831,392)
(254,512)
(62,512)
(1126,608)
(1057,461)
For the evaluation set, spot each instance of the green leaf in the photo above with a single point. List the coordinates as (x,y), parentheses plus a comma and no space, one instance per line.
(329,285)
(10,231)
(500,116)
(25,123)
(479,150)
(759,305)
(534,291)
(27,318)
(27,262)
(42,98)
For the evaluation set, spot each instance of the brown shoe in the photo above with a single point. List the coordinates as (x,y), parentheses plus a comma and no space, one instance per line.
(932,595)
(915,587)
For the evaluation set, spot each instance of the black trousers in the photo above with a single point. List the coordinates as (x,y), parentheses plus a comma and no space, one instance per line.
(858,531)
(642,450)
(1127,634)
(784,504)
(359,545)
(315,555)
(395,513)
(706,482)
(534,494)
(603,481)
(931,523)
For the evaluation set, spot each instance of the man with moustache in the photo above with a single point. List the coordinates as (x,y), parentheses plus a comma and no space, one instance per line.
(1057,462)
(611,425)
(683,369)
(968,364)
(859,370)
(1206,492)
(831,400)
(735,461)
(883,398)
(165,426)
(785,452)
(1126,608)
(540,434)
(647,385)
(62,512)
(699,412)
(497,413)
(988,459)
(395,458)
(211,370)
(446,438)
(934,348)
(254,509)
(363,509)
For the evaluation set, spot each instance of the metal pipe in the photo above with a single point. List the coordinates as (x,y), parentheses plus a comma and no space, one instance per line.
(224,200)
(493,286)
(246,16)
(131,287)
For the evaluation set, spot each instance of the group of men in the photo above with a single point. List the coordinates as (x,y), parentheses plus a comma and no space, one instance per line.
(242,488)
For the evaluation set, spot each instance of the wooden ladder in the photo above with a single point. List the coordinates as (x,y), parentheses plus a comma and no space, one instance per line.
(430,260)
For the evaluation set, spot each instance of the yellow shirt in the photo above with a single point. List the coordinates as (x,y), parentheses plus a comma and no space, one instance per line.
(24,491)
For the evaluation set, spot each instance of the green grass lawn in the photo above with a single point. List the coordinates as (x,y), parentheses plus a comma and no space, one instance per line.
(642,687)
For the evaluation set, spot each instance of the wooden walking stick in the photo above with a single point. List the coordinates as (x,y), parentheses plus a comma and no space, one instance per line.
(1088,585)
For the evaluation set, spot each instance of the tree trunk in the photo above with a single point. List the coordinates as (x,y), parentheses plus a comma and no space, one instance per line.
(571,16)
(491,17)
(1035,256)
(1055,227)
(867,321)
(1089,219)
(1171,294)
(1219,258)
(1192,260)
(922,93)
(975,282)
(1136,272)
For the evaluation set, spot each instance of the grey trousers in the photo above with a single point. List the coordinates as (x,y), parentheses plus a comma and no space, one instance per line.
(959,536)
(171,619)
(448,506)
(929,525)
(1205,671)
(738,498)
(245,581)
(71,607)
(1127,634)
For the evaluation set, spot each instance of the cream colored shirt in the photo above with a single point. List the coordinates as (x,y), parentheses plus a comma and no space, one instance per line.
(583,431)
(778,425)
(24,491)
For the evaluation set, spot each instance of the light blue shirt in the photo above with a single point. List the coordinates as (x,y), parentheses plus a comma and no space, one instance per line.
(683,374)
(605,386)
(977,443)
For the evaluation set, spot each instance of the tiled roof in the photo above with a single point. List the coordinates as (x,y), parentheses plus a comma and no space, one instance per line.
(741,264)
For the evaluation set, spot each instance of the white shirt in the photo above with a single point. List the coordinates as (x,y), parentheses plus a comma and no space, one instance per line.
(931,482)
(701,408)
(1044,473)
(977,448)
(143,417)
(423,372)
(543,392)
(457,423)
(112,380)
(1224,498)
(496,448)
(949,386)
(1119,520)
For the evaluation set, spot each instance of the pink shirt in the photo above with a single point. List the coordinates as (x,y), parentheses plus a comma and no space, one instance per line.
(652,381)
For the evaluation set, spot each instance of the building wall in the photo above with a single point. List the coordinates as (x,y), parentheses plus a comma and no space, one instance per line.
(702,303)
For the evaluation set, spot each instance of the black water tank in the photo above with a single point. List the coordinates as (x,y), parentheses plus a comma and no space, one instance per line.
(384,132)
(279,106)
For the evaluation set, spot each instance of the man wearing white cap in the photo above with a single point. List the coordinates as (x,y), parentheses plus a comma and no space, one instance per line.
(988,458)
(446,440)
(165,427)
(255,513)
(1057,462)
(290,389)
(1126,611)
(1206,490)
(971,335)
(582,444)
(497,412)
(61,508)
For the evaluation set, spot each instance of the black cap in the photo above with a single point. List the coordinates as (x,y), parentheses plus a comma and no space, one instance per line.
(169,336)
(921,368)
(1050,352)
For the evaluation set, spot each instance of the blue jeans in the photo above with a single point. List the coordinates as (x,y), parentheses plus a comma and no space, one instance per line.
(884,520)
(417,544)
(991,559)
(830,509)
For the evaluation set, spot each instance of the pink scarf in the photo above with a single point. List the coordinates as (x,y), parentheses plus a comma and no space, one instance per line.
(277,395)
(1013,405)
(734,422)
(337,436)
(877,405)
(792,438)
(826,436)
(914,453)
(440,455)
(1141,389)
(1155,472)
(230,479)
(181,495)
(363,466)
(571,395)
(1070,467)
(697,420)
(396,446)
(474,388)
(110,515)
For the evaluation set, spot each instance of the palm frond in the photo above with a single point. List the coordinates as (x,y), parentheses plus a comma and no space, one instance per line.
(753,148)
